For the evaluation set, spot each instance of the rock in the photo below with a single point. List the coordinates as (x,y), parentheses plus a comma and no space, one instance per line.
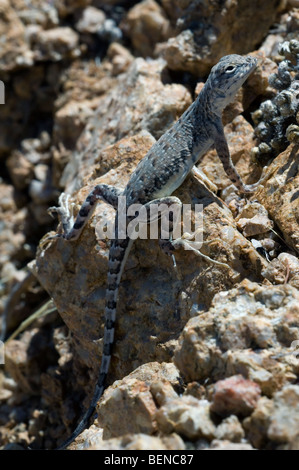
(40,13)
(278,194)
(136,396)
(20,169)
(241,334)
(120,57)
(162,392)
(12,219)
(207,33)
(235,395)
(257,424)
(256,222)
(71,119)
(283,269)
(146,24)
(156,373)
(284,420)
(22,362)
(65,7)
(15,52)
(230,429)
(131,398)
(138,101)
(186,416)
(226,445)
(91,21)
(94,441)
(55,44)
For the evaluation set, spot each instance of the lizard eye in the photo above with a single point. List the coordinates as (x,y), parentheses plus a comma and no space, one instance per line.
(230,68)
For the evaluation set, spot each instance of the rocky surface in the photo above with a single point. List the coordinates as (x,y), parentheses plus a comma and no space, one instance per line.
(206,354)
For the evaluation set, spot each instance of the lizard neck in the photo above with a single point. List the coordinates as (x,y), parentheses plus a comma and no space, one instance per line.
(213,100)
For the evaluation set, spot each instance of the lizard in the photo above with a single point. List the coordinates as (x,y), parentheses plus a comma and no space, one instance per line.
(156,177)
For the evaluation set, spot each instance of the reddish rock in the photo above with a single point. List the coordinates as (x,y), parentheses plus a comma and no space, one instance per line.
(235,395)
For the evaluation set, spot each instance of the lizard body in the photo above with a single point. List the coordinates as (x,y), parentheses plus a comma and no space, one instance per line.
(156,177)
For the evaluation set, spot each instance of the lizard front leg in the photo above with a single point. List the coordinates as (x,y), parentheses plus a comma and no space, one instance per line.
(224,155)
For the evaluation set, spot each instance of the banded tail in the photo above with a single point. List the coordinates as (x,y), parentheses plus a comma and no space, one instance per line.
(118,254)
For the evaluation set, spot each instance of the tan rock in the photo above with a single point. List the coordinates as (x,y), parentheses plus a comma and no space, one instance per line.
(21,362)
(218,343)
(92,440)
(278,194)
(15,52)
(284,420)
(256,225)
(138,101)
(186,416)
(91,20)
(71,119)
(55,44)
(257,424)
(197,48)
(12,219)
(146,24)
(68,7)
(132,401)
(227,445)
(283,269)
(120,57)
(20,169)
(230,429)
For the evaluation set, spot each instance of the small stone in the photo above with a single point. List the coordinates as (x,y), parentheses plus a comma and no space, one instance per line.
(255,226)
(146,24)
(120,57)
(91,21)
(91,439)
(235,395)
(56,44)
(226,445)
(230,429)
(284,420)
(283,269)
(20,170)
(256,425)
(186,416)
(132,400)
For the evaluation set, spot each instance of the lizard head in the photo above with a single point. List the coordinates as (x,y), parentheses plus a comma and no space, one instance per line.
(227,76)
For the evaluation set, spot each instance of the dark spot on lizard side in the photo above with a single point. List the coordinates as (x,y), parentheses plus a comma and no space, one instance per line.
(158,183)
